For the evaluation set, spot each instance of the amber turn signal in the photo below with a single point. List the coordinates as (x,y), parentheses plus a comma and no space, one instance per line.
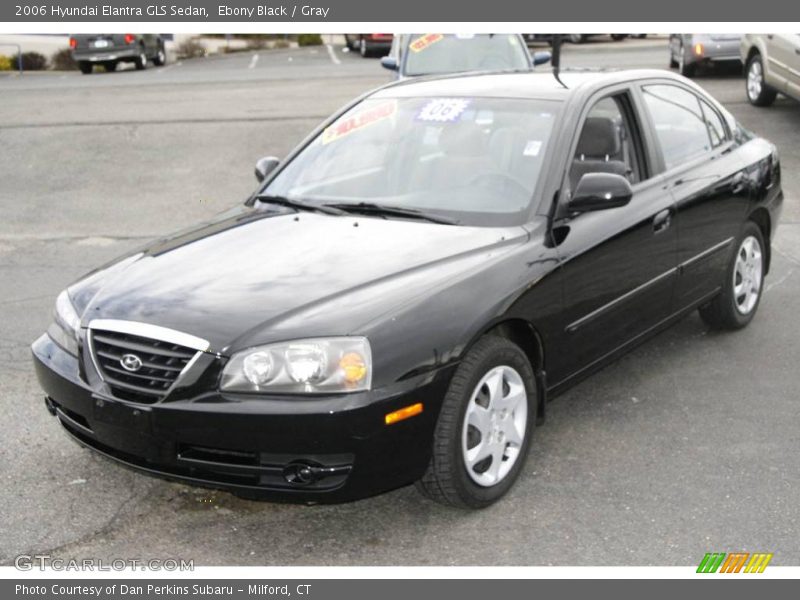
(403,413)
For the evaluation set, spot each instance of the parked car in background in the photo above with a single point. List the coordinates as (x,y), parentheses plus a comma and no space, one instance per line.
(687,51)
(110,49)
(772,66)
(369,44)
(579,38)
(417,54)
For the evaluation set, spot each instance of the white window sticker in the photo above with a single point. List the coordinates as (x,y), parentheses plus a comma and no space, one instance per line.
(443,110)
(532,148)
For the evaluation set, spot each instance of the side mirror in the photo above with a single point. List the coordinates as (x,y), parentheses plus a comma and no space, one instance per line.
(599,191)
(541,58)
(389,62)
(265,166)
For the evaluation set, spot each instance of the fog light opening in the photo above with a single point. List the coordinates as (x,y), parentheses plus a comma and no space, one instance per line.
(301,473)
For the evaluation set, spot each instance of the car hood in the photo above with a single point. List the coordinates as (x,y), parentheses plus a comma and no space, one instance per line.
(252,268)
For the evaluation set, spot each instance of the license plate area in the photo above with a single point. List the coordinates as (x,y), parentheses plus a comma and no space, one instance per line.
(101,44)
(117,414)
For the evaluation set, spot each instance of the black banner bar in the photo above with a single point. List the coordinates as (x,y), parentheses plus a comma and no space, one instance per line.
(713,11)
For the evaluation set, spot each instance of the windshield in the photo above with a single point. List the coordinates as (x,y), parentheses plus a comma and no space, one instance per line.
(471,160)
(435,53)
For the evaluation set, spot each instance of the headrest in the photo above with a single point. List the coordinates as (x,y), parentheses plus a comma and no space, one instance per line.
(599,138)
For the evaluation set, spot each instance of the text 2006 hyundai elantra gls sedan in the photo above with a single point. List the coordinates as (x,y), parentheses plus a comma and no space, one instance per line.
(404,292)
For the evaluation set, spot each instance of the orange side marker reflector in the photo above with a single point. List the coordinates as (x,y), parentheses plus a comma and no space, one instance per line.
(404,413)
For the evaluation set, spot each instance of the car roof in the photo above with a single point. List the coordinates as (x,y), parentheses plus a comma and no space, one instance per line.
(517,84)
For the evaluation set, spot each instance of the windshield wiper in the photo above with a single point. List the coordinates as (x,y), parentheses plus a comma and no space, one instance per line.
(370,208)
(298,204)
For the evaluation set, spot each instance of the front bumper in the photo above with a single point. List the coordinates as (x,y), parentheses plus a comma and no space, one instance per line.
(252,446)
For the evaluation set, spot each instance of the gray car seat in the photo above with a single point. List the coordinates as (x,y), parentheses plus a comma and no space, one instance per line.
(599,150)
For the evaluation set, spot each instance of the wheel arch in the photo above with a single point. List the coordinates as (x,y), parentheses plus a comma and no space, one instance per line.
(525,335)
(760,216)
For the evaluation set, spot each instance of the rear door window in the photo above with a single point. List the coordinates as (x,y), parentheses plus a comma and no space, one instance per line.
(680,123)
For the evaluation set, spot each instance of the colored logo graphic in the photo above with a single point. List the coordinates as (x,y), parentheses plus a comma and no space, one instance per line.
(734,562)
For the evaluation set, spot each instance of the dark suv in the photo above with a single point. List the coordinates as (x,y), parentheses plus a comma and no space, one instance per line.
(110,49)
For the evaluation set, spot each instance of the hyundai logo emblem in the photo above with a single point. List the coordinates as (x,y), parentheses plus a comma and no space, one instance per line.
(130,362)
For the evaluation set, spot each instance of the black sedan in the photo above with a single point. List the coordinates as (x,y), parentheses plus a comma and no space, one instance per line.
(401,296)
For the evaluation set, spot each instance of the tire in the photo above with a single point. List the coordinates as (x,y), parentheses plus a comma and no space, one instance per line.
(160,58)
(737,303)
(455,478)
(687,70)
(141,60)
(364,49)
(86,67)
(758,92)
(618,36)
(110,66)
(576,38)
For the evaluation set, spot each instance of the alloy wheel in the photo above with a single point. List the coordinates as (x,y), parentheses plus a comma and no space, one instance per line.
(494,426)
(747,275)
(755,75)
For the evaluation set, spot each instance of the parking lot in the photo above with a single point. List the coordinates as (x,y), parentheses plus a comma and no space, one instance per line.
(686,446)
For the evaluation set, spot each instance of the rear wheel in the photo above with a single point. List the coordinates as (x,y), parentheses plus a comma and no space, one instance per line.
(484,428)
(738,301)
(618,36)
(758,92)
(85,66)
(576,38)
(684,68)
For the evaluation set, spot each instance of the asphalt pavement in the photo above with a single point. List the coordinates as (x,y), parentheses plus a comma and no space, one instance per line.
(686,446)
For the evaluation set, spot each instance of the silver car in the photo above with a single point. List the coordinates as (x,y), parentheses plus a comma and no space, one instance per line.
(687,51)
(772,65)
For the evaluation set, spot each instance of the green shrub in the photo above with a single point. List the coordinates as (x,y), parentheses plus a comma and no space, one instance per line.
(63,61)
(31,61)
(6,64)
(309,39)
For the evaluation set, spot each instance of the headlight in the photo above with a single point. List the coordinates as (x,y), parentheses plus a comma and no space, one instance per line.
(314,366)
(66,323)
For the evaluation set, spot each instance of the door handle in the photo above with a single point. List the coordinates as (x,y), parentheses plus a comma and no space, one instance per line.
(662,221)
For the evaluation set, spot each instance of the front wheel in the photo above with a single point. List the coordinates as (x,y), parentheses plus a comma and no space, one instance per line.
(758,92)
(364,48)
(141,60)
(161,57)
(484,428)
(736,304)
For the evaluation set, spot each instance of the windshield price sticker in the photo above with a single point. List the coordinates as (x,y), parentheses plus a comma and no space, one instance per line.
(443,110)
(358,121)
(419,44)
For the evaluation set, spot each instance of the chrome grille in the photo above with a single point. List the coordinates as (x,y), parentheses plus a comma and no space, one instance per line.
(162,362)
